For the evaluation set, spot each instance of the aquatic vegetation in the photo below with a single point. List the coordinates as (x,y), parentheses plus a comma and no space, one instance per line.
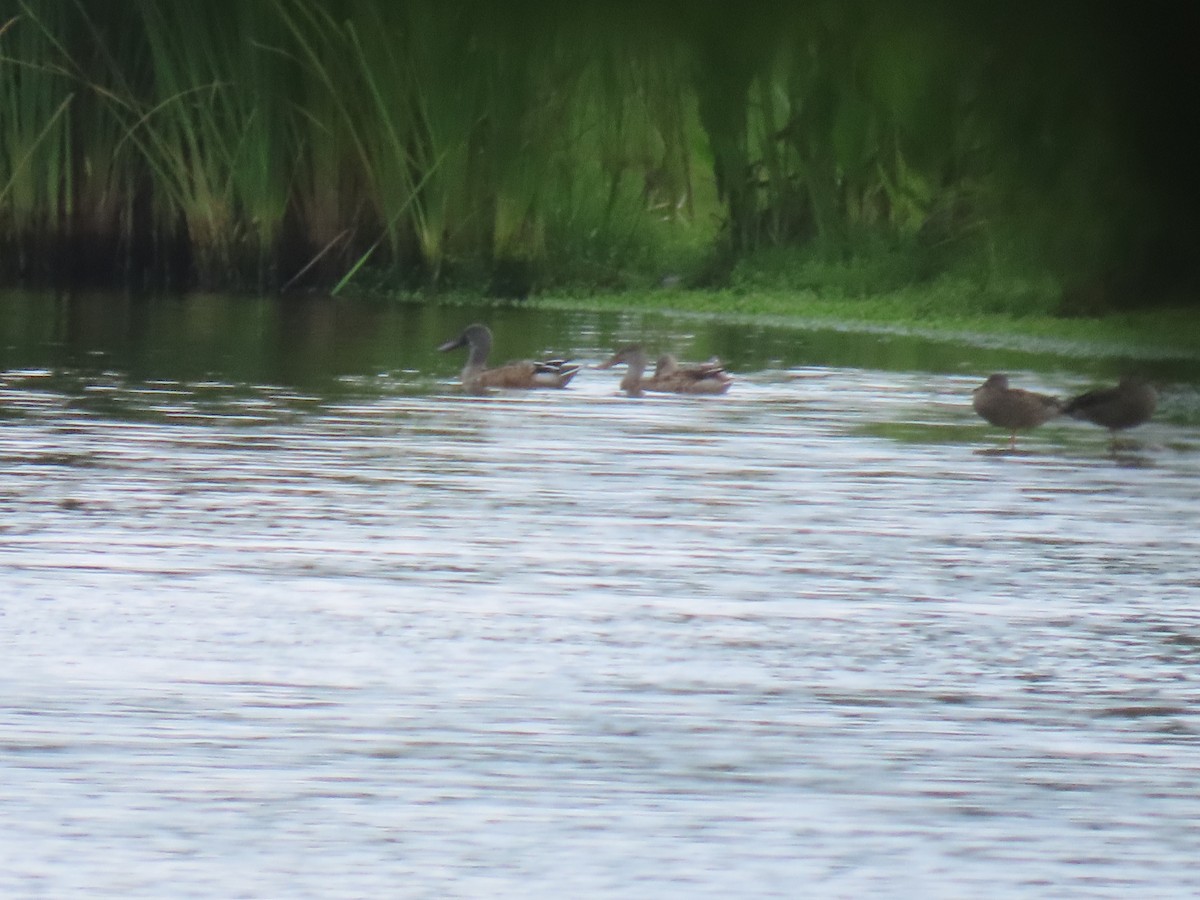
(538,145)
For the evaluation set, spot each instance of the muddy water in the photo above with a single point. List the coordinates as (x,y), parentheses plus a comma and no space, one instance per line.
(282,613)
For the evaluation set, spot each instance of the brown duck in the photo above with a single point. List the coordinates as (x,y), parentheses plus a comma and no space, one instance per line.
(668,366)
(670,376)
(1127,405)
(1013,408)
(477,377)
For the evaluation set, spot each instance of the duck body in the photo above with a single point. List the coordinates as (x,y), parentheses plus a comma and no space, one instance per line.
(711,374)
(1127,405)
(477,377)
(1013,408)
(670,376)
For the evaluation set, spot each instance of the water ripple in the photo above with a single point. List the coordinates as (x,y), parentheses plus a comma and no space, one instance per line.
(258,642)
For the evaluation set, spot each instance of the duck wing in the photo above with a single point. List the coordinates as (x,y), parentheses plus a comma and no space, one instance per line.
(555,372)
(1084,405)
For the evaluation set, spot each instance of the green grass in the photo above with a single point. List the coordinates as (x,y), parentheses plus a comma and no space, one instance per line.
(947,308)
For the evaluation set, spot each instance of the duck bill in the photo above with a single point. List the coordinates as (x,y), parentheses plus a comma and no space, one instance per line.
(452,344)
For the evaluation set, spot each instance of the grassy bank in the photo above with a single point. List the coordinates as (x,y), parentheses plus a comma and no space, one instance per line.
(948,308)
(995,299)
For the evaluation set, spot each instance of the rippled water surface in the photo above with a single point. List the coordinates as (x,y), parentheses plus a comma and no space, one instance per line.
(284,614)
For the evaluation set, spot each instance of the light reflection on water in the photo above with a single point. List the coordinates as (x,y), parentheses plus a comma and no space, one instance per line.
(260,642)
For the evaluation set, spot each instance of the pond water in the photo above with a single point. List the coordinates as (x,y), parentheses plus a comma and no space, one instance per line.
(285,614)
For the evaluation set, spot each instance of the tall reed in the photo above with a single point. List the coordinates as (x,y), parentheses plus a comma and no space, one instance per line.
(303,141)
(35,171)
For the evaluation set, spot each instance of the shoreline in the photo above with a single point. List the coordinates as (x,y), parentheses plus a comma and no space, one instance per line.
(1163,333)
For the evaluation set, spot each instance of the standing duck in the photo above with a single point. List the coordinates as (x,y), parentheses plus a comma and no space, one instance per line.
(1127,405)
(476,377)
(670,377)
(1013,408)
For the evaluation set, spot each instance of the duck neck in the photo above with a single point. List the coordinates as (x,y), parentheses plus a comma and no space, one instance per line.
(667,365)
(635,367)
(481,346)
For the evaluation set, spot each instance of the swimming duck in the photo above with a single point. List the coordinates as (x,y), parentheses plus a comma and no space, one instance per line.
(669,365)
(1127,405)
(476,377)
(1013,408)
(670,376)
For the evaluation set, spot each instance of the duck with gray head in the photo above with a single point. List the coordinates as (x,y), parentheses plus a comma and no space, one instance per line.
(1013,408)
(1127,405)
(477,377)
(670,376)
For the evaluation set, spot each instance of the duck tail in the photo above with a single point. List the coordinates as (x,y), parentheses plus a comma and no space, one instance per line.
(568,371)
(560,371)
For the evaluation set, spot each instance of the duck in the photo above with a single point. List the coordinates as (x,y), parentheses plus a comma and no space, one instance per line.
(670,376)
(477,377)
(1127,405)
(669,365)
(1013,408)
